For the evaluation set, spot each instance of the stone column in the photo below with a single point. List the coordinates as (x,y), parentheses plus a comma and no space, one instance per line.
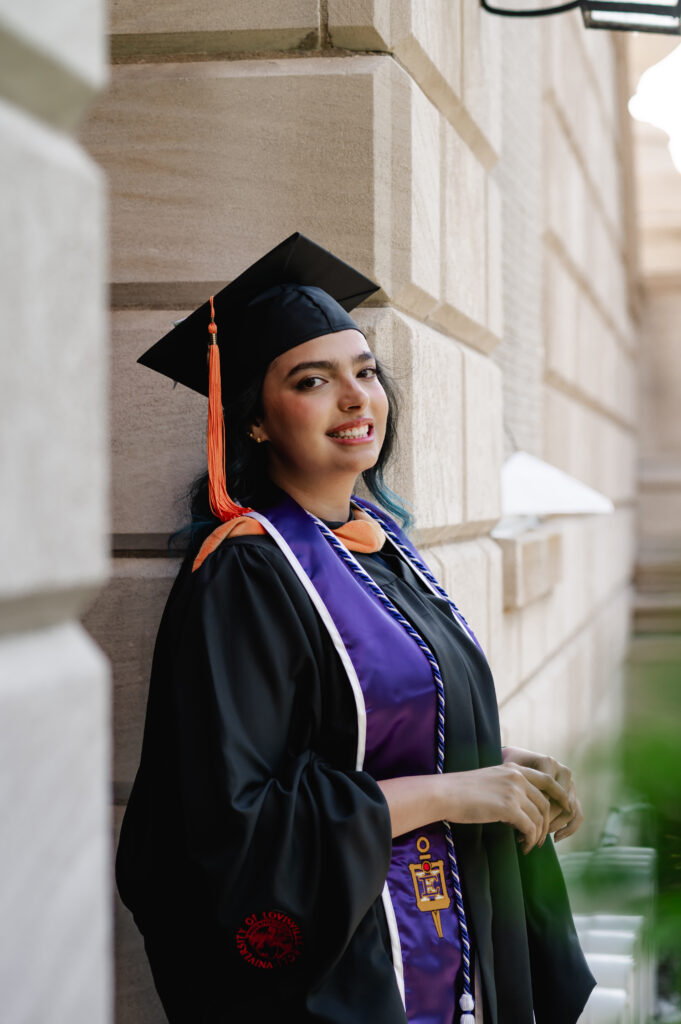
(54,688)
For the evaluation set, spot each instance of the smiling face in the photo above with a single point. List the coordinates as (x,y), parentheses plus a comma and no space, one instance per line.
(325,413)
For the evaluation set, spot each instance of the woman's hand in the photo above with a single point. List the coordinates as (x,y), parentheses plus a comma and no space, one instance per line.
(519,795)
(563,822)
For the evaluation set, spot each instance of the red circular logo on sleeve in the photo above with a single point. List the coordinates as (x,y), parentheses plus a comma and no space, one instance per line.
(269,940)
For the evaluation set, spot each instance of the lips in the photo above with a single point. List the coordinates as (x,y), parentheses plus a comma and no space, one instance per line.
(352,430)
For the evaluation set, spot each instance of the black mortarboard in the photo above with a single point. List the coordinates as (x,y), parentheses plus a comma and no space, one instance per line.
(296,292)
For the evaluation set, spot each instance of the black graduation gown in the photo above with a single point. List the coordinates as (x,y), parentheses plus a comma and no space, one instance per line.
(247,802)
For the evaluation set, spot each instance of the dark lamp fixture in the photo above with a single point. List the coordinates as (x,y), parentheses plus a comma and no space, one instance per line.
(616,15)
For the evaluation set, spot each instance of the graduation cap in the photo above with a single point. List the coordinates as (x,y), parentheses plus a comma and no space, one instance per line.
(295,292)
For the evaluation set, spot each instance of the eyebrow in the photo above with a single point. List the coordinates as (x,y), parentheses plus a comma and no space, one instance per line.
(328,364)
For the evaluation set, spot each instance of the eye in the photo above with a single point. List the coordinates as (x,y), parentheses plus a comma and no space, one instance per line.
(309,383)
(367,372)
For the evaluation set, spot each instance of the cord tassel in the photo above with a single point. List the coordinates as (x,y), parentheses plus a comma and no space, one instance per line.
(220,502)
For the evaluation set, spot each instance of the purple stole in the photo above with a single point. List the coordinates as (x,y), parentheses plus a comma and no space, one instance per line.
(395,700)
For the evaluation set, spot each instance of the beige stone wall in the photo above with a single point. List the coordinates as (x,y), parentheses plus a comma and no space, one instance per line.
(568,357)
(658,189)
(478,171)
(55,943)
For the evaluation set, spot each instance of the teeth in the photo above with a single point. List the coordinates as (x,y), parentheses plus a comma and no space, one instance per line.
(355,432)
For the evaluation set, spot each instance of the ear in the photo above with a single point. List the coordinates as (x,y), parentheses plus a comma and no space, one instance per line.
(257,432)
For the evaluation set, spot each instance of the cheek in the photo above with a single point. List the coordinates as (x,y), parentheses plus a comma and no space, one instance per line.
(291,415)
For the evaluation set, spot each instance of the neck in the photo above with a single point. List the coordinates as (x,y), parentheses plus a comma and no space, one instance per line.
(330,501)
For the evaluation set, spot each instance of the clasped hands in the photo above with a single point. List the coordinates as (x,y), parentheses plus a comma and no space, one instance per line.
(533,793)
(550,789)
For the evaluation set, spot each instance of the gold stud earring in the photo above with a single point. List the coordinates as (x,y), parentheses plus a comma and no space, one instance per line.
(257,439)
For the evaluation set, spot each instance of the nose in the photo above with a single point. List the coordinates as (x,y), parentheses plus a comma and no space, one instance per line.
(353,394)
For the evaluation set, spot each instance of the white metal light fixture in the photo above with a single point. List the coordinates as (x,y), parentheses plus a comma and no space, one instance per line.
(615,15)
(532,490)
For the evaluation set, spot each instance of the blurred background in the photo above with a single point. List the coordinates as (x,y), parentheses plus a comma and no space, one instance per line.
(514,186)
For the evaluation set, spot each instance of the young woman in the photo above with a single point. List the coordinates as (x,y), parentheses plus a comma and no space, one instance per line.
(324,826)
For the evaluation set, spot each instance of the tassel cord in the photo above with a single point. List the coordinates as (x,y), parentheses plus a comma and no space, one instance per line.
(221,504)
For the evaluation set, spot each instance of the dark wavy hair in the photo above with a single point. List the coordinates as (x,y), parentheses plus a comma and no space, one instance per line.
(248,481)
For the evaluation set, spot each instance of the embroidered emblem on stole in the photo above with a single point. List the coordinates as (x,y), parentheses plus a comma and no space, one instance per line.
(430,887)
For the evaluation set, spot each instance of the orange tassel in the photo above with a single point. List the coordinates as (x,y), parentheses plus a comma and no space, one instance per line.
(220,502)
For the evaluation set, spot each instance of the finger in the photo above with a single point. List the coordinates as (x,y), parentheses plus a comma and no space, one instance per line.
(522,813)
(568,830)
(549,786)
(543,805)
(555,769)
(559,819)
(571,827)
(526,825)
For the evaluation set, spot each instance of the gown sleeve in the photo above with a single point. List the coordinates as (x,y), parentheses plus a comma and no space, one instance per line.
(248,827)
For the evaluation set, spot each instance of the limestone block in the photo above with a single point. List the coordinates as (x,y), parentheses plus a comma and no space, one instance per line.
(483,443)
(470,572)
(158,431)
(535,642)
(565,192)
(564,77)
(180,27)
(52,57)
(626,386)
(547,623)
(55,847)
(482,71)
(532,563)
(570,599)
(418,263)
(495,235)
(345,151)
(124,620)
(608,177)
(614,286)
(579,680)
(609,553)
(549,696)
(496,647)
(600,49)
(462,569)
(54,515)
(586,444)
(363,24)
(232,157)
(507,674)
(136,999)
(610,362)
(591,338)
(561,303)
(426,39)
(463,311)
(601,270)
(427,369)
(515,718)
